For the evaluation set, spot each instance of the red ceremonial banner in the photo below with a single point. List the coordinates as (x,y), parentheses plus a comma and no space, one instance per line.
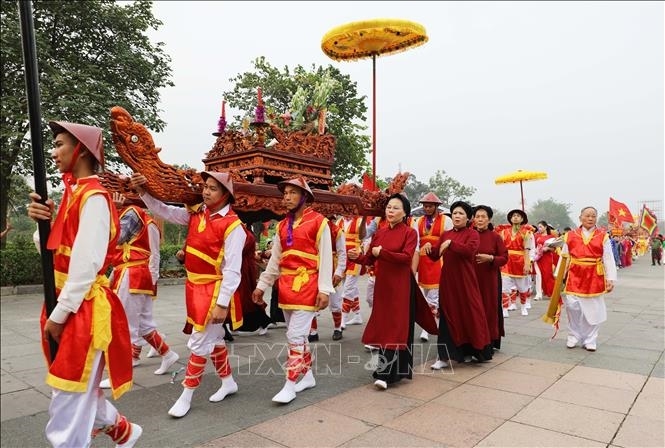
(648,220)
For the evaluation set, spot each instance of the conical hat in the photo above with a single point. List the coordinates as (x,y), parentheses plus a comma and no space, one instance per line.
(89,136)
(525,220)
(298,182)
(430,198)
(222,178)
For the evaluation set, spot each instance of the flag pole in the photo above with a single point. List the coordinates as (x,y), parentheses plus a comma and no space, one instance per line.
(39,170)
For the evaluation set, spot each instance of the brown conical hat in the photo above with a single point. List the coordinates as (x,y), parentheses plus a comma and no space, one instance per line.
(430,198)
(222,178)
(298,182)
(89,136)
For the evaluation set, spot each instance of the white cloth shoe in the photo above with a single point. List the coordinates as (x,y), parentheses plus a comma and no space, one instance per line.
(357,319)
(438,365)
(105,384)
(505,313)
(152,353)
(424,336)
(306,382)
(136,362)
(512,307)
(263,331)
(167,361)
(287,394)
(525,311)
(571,341)
(380,384)
(228,387)
(590,347)
(133,437)
(527,305)
(181,407)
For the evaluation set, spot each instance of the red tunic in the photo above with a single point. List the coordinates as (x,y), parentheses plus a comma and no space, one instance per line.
(488,275)
(133,258)
(84,330)
(429,271)
(460,301)
(299,265)
(388,325)
(586,274)
(516,251)
(546,263)
(352,235)
(203,263)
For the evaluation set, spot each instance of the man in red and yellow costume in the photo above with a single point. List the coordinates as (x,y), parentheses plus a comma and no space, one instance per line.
(88,322)
(302,259)
(134,279)
(430,227)
(339,268)
(518,238)
(591,274)
(213,258)
(354,233)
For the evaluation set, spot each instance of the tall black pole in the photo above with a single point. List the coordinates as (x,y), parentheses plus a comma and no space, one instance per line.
(34,113)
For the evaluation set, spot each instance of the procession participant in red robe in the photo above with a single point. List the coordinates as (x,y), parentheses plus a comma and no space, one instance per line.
(339,268)
(627,245)
(354,233)
(89,322)
(398,301)
(516,274)
(213,259)
(134,280)
(492,254)
(430,227)
(546,259)
(302,259)
(591,274)
(463,331)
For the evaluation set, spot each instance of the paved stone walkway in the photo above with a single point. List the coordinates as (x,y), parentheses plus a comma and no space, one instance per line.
(535,392)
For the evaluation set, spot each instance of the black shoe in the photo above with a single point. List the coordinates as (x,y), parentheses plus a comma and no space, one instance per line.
(313,337)
(337,335)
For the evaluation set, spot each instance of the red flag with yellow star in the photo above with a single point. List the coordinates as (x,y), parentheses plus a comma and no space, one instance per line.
(619,213)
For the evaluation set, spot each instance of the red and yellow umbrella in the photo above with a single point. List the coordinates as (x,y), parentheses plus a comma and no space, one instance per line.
(369,39)
(520,176)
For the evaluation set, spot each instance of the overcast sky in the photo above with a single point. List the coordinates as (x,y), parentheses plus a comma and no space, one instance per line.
(574,89)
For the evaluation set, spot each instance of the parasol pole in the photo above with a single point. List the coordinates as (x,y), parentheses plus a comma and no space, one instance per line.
(374,119)
(34,114)
(522,194)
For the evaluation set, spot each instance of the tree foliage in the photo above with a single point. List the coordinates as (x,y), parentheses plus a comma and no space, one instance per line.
(556,214)
(346,109)
(91,56)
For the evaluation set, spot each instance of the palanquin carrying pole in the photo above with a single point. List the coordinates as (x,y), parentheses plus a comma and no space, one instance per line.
(39,170)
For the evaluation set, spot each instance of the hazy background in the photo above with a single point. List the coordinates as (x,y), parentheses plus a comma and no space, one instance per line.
(571,88)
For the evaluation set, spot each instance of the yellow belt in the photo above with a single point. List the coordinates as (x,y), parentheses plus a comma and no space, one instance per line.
(202,279)
(516,252)
(600,268)
(301,276)
(130,264)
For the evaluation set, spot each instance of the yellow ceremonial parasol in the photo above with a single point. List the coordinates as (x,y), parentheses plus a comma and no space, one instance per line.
(520,176)
(372,38)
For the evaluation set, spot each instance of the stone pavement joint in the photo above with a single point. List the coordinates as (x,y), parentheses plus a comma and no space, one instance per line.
(535,392)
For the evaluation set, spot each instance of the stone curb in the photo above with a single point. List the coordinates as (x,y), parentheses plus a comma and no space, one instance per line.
(39,289)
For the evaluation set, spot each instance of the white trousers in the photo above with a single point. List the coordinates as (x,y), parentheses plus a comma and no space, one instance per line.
(73,415)
(298,323)
(432,297)
(371,280)
(202,343)
(335,300)
(521,284)
(578,324)
(351,290)
(539,281)
(138,308)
